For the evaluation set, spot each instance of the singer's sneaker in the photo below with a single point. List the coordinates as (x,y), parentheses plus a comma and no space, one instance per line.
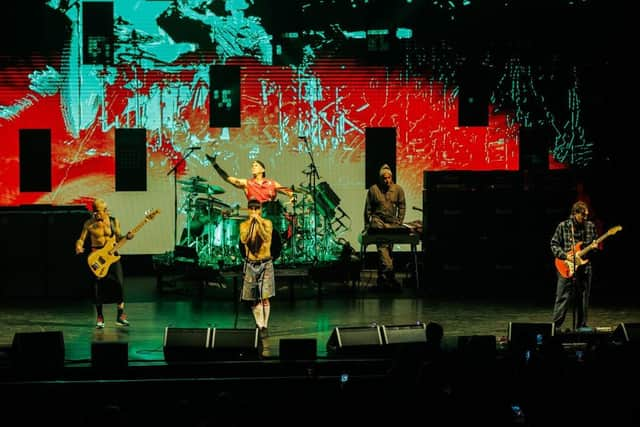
(122,320)
(100,322)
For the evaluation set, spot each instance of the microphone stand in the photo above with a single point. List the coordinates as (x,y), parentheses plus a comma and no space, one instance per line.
(313,174)
(574,280)
(294,227)
(174,171)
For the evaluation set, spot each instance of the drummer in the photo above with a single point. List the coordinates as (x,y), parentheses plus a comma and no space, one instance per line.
(258,187)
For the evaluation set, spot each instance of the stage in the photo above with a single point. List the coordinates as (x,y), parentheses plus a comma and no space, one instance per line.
(305,306)
(495,381)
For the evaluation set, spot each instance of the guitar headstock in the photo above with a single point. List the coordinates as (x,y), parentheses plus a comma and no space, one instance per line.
(614,230)
(149,215)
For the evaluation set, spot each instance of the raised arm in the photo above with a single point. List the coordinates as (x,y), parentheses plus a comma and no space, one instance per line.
(285,190)
(236,182)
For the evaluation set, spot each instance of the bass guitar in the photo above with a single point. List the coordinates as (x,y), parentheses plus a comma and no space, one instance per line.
(101,259)
(567,267)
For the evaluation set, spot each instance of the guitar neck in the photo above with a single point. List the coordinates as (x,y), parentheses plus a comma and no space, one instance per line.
(597,242)
(133,231)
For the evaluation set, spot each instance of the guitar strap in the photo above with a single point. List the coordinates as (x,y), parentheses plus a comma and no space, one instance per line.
(573,245)
(112,222)
(573,236)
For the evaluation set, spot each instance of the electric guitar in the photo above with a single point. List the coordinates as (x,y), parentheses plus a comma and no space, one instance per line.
(567,267)
(101,259)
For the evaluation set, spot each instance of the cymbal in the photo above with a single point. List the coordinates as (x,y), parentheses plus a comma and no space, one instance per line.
(215,189)
(191,181)
(195,188)
(203,188)
(293,189)
(300,190)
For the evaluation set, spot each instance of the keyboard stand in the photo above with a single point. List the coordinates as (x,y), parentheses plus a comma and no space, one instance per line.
(393,238)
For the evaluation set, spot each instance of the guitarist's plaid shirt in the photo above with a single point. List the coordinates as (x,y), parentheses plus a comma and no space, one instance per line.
(563,240)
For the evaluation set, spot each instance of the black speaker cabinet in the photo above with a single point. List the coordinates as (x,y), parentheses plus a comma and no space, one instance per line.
(529,335)
(236,344)
(131,159)
(298,349)
(402,334)
(186,344)
(478,347)
(224,96)
(109,356)
(355,341)
(38,352)
(380,149)
(627,332)
(35,160)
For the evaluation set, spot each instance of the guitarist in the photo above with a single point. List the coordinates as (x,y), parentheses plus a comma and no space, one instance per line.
(576,230)
(100,227)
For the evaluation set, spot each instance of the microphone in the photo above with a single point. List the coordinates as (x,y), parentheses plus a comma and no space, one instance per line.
(195,148)
(251,228)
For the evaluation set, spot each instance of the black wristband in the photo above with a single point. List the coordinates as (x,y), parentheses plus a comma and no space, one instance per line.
(221,171)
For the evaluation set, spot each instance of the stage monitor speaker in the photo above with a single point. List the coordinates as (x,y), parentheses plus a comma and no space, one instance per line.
(38,352)
(224,96)
(298,349)
(478,347)
(35,160)
(236,343)
(403,334)
(186,344)
(380,149)
(356,341)
(109,356)
(131,159)
(529,335)
(627,332)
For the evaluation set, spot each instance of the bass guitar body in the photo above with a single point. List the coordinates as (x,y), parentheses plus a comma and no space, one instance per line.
(101,259)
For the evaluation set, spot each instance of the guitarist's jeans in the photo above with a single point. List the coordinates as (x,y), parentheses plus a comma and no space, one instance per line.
(565,293)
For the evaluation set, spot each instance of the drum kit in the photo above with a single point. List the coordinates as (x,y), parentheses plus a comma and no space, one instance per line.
(212,227)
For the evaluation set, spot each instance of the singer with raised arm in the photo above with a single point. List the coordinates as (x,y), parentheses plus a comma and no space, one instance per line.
(385,207)
(259,278)
(100,228)
(576,231)
(258,187)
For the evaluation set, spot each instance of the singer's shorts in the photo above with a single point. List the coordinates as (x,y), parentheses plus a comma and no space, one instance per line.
(259,281)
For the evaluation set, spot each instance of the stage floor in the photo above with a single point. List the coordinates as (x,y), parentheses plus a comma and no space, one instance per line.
(300,312)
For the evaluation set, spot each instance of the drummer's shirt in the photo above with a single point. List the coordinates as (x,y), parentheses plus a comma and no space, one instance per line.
(261,191)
